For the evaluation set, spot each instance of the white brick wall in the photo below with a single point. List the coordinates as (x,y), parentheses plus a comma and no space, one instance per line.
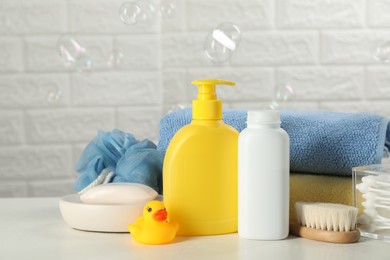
(324,49)
(248,14)
(32,16)
(317,14)
(11,127)
(323,83)
(11,53)
(26,90)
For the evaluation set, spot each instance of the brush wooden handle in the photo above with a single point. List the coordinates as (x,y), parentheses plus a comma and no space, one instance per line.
(325,235)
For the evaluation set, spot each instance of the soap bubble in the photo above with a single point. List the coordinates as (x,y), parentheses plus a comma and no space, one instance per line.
(222,42)
(54,95)
(83,64)
(215,51)
(167,9)
(382,53)
(115,59)
(129,13)
(137,12)
(70,49)
(175,107)
(73,54)
(284,93)
(274,105)
(281,95)
(228,34)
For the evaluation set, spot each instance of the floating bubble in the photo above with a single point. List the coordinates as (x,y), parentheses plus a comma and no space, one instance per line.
(70,49)
(137,12)
(83,64)
(382,53)
(54,95)
(115,59)
(281,95)
(73,54)
(215,51)
(167,9)
(222,42)
(130,13)
(176,107)
(284,93)
(274,105)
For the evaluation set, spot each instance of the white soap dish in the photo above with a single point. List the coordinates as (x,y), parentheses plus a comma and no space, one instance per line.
(104,217)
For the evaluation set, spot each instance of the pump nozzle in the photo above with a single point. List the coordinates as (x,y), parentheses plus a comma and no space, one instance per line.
(206,87)
(207,106)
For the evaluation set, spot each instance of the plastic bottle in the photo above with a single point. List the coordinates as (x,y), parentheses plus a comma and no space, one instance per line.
(263,178)
(200,169)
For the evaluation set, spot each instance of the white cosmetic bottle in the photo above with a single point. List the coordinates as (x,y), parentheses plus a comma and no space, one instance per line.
(263,177)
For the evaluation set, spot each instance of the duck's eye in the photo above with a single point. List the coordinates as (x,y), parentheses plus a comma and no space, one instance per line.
(149,209)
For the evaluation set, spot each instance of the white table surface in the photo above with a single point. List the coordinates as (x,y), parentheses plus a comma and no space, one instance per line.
(32,228)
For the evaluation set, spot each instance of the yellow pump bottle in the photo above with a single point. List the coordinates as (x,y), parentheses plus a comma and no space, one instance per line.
(200,169)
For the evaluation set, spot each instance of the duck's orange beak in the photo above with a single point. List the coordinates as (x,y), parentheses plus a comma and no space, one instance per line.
(160,215)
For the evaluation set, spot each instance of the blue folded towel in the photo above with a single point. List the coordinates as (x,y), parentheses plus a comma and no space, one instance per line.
(320,141)
(120,153)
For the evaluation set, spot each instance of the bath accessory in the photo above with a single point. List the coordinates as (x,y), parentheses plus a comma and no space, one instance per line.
(374,215)
(128,160)
(119,193)
(152,226)
(106,208)
(366,188)
(375,226)
(372,221)
(321,141)
(376,202)
(316,187)
(200,168)
(375,181)
(263,177)
(326,222)
(104,177)
(372,192)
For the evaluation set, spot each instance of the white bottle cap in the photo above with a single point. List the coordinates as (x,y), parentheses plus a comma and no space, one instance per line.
(263,117)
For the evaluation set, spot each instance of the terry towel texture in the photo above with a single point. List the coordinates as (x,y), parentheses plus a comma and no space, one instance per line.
(320,141)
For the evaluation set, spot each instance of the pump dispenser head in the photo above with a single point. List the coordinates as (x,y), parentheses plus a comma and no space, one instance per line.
(207,106)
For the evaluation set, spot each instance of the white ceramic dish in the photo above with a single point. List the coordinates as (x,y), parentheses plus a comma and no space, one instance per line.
(99,217)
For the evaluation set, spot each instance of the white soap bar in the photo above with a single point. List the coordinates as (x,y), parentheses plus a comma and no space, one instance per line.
(119,193)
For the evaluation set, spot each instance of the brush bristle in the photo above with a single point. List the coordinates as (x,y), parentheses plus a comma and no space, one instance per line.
(326,216)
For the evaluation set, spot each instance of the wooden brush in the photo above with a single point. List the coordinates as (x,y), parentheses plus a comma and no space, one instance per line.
(335,223)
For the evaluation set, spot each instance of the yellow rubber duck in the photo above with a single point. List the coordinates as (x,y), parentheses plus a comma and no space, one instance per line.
(153,228)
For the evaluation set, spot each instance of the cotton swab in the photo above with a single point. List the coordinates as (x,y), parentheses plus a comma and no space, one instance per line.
(374,227)
(364,188)
(371,203)
(376,181)
(373,196)
(376,192)
(373,215)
